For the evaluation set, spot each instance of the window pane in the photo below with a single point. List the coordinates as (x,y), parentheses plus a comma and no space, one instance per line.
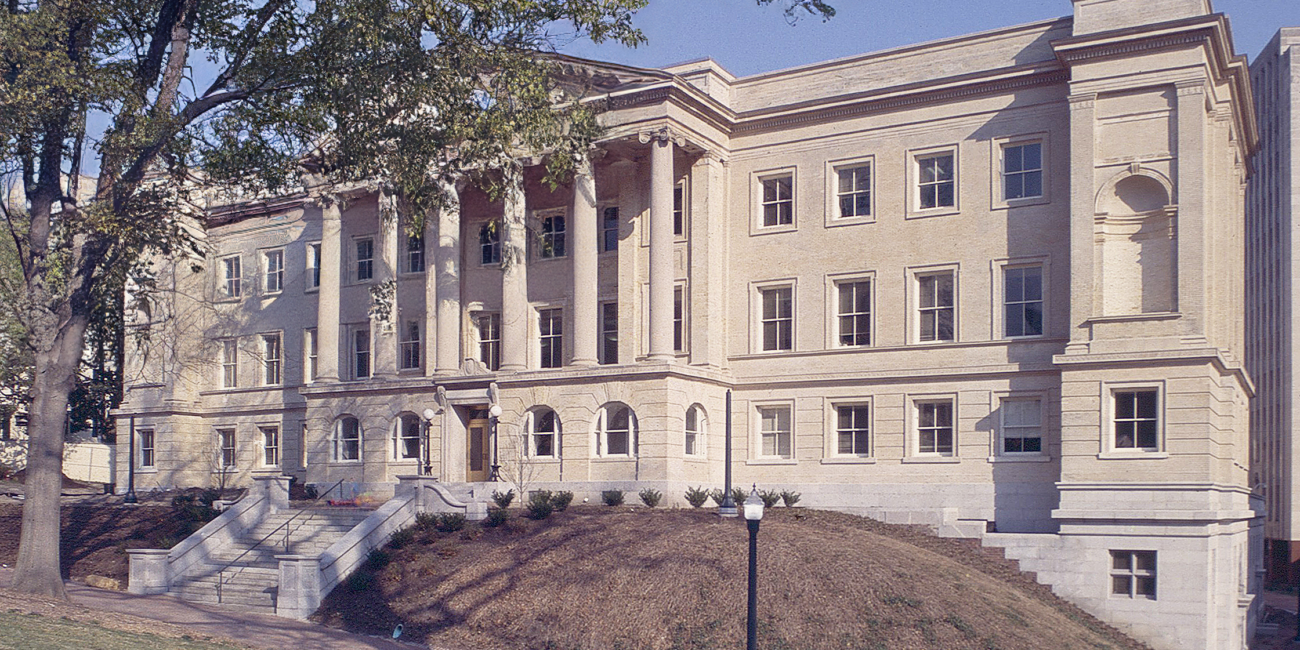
(945,194)
(1012,159)
(1033,184)
(1146,586)
(1124,404)
(1146,404)
(1120,585)
(1033,156)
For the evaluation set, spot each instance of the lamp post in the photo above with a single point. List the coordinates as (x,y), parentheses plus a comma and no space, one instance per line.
(753,514)
(728,506)
(494,414)
(428,414)
(130,467)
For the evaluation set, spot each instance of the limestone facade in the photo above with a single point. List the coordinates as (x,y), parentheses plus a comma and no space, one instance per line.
(995,279)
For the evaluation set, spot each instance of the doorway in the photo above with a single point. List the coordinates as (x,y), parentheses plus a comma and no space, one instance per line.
(478,448)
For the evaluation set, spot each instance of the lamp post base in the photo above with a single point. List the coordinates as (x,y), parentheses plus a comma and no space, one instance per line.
(496,474)
(130,497)
(728,507)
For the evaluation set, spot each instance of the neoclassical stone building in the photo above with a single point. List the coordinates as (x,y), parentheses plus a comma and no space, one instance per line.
(992,283)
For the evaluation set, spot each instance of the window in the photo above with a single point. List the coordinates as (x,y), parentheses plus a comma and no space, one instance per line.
(232,287)
(774,431)
(937,307)
(406,437)
(679,318)
(609,333)
(854,315)
(225,448)
(543,430)
(778,200)
(272,359)
(309,353)
(1133,574)
(1022,298)
(853,430)
(936,181)
(489,340)
(411,345)
(270,446)
(853,192)
(1022,171)
(273,264)
(365,259)
(609,230)
(145,436)
(1022,430)
(552,236)
(414,253)
(934,427)
(551,322)
(679,209)
(347,440)
(615,431)
(229,363)
(1137,422)
(778,318)
(361,353)
(313,265)
(695,425)
(489,241)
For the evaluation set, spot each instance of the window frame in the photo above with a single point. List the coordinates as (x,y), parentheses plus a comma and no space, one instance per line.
(603,245)
(833,315)
(914,429)
(1132,574)
(354,352)
(230,286)
(758,204)
(489,244)
(914,184)
(551,315)
(1110,450)
(757,455)
(681,209)
(268,272)
(682,318)
(358,260)
(412,254)
(999,284)
(546,237)
(337,440)
(533,434)
(833,169)
(262,431)
(601,431)
(757,315)
(489,347)
(228,362)
(832,450)
(148,454)
(310,355)
(999,452)
(607,351)
(401,439)
(272,365)
(914,278)
(409,344)
(696,449)
(311,266)
(997,152)
(227,456)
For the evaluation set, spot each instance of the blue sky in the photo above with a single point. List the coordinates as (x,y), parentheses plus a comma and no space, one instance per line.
(747,39)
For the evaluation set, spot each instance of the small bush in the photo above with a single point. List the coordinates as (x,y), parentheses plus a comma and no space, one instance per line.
(361,581)
(503,500)
(739,495)
(561,500)
(310,491)
(790,497)
(402,538)
(448,522)
(696,496)
(377,560)
(539,505)
(718,496)
(612,497)
(496,517)
(424,521)
(769,497)
(651,497)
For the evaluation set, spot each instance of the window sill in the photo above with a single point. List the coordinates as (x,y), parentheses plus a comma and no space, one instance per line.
(311,290)
(553,258)
(849,221)
(544,460)
(270,294)
(613,459)
(772,461)
(773,230)
(849,460)
(1026,458)
(924,460)
(1021,202)
(945,211)
(1133,455)
(148,470)
(344,463)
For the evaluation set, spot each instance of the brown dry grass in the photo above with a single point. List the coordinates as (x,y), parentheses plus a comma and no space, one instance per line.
(95,538)
(607,579)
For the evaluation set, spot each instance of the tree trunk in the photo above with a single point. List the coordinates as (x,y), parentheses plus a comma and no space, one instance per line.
(39,568)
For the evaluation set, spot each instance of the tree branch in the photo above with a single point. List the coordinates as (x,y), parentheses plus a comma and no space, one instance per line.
(251,32)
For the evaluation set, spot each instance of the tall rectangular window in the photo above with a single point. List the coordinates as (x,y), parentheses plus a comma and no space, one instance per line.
(1137,419)
(1022,298)
(489,243)
(309,353)
(229,363)
(679,318)
(365,248)
(272,359)
(853,430)
(1022,171)
(414,253)
(854,191)
(489,340)
(778,318)
(609,333)
(226,448)
(679,209)
(778,200)
(273,261)
(934,427)
(553,236)
(551,322)
(854,315)
(146,438)
(774,423)
(411,345)
(232,287)
(313,265)
(609,230)
(936,181)
(361,353)
(1133,574)
(270,446)
(1022,430)
(937,306)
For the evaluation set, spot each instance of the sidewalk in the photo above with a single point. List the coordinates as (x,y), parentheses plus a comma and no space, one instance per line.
(251,630)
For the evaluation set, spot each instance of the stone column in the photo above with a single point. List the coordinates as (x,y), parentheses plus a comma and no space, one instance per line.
(1189,225)
(327,298)
(300,586)
(433,266)
(708,261)
(514,276)
(447,290)
(586,323)
(1084,290)
(661,247)
(384,327)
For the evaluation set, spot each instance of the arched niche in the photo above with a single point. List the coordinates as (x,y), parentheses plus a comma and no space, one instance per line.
(1136,244)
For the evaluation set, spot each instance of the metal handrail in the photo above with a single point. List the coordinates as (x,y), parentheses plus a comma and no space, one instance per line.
(221,573)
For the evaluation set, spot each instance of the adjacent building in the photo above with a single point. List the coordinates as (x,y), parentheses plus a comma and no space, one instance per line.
(992,282)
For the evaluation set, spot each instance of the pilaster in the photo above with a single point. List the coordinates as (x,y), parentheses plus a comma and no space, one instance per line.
(383,313)
(327,309)
(514,276)
(586,322)
(708,261)
(443,287)
(1084,294)
(1190,297)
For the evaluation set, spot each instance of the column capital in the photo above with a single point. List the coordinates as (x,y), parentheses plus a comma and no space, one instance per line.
(663,134)
(1082,100)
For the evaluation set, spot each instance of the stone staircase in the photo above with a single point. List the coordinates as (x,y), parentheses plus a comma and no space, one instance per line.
(244,575)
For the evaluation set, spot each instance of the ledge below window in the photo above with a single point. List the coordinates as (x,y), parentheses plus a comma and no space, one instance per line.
(848,460)
(1133,455)
(1036,458)
(772,461)
(923,460)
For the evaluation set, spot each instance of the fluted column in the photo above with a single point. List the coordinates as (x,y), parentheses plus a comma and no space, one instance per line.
(327,306)
(661,247)
(514,276)
(585,314)
(446,293)
(384,317)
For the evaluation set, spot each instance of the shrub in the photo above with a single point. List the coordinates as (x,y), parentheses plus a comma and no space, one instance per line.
(612,497)
(503,500)
(539,505)
(361,581)
(739,495)
(718,496)
(424,521)
(402,537)
(790,497)
(696,496)
(448,522)
(561,500)
(377,560)
(310,491)
(769,497)
(651,497)
(496,517)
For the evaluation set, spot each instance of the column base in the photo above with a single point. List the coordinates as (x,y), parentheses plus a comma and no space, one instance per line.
(584,363)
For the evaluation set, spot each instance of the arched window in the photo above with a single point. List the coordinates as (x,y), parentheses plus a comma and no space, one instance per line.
(347,439)
(616,431)
(489,240)
(543,429)
(695,429)
(406,437)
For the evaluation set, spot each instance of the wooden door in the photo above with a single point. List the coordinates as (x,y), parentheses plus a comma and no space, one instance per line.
(479,451)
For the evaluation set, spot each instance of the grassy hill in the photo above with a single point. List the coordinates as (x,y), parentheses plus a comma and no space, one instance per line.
(597,578)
